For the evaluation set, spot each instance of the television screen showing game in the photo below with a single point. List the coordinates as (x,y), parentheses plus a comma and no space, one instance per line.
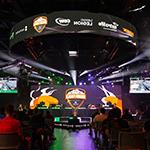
(140,85)
(8,85)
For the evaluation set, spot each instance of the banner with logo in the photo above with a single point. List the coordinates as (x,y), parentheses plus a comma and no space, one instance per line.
(73,22)
(75,96)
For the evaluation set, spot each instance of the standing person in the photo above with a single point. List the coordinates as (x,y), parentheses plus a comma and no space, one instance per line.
(49,124)
(91,123)
(101,116)
(98,120)
(37,124)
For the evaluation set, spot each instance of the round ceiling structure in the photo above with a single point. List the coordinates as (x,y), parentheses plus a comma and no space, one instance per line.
(74,40)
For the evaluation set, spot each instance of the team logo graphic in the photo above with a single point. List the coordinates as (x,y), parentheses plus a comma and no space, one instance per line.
(40,23)
(75,97)
(45,98)
(110,98)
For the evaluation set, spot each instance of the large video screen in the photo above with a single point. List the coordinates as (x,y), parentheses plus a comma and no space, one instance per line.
(75,95)
(140,85)
(8,85)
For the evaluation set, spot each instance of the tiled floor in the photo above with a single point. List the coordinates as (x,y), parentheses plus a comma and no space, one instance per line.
(72,140)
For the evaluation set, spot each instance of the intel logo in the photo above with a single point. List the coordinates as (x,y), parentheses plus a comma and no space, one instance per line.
(62,21)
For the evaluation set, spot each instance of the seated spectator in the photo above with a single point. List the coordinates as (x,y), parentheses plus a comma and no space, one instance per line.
(146,113)
(127,115)
(147,126)
(2,113)
(11,125)
(114,122)
(8,124)
(101,116)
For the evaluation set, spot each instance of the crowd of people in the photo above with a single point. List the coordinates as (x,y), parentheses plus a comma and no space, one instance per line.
(113,121)
(32,126)
(35,126)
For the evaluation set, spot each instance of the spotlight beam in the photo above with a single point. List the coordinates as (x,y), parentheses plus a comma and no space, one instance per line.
(73,74)
(122,74)
(95,69)
(15,70)
(44,67)
(38,76)
(5,56)
(13,58)
(145,54)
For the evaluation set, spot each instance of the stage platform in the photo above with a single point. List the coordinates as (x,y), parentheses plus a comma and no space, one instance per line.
(72,123)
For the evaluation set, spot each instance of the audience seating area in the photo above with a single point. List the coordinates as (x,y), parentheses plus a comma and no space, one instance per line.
(130,139)
(9,141)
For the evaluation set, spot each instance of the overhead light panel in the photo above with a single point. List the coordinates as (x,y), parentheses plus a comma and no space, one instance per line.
(73,53)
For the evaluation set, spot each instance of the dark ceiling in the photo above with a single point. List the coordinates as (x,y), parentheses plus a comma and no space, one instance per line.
(13,11)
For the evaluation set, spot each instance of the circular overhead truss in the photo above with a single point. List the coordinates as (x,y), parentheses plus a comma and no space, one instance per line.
(73,22)
(96,38)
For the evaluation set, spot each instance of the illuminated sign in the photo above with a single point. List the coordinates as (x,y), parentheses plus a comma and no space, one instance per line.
(75,94)
(73,22)
(83,22)
(75,97)
(40,23)
(110,98)
(62,21)
(44,99)
(105,25)
(25,28)
(129,32)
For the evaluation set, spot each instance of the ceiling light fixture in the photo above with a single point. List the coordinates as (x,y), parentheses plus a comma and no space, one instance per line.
(73,53)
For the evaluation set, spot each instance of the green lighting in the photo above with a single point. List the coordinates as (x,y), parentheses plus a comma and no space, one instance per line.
(57,119)
(8,91)
(70,83)
(58,82)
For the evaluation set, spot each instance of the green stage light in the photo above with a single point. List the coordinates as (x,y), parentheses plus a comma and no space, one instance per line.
(57,119)
(70,83)
(57,82)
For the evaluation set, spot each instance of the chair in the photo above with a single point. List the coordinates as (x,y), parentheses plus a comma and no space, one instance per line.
(136,126)
(131,141)
(113,139)
(9,141)
(147,137)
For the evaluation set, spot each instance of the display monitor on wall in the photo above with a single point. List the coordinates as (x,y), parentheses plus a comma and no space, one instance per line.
(140,85)
(8,85)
